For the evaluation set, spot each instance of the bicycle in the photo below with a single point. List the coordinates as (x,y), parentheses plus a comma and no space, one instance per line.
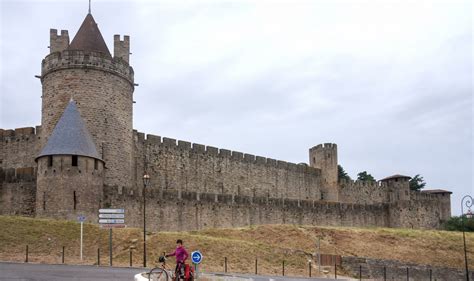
(163,273)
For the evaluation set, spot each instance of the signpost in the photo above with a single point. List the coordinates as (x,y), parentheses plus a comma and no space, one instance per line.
(196,258)
(111,218)
(81,219)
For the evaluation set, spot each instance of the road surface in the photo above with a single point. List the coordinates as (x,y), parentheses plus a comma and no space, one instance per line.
(48,272)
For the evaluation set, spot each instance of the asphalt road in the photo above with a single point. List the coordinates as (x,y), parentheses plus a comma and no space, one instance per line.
(276,278)
(46,272)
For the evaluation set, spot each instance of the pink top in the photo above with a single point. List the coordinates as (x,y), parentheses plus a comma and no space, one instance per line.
(180,253)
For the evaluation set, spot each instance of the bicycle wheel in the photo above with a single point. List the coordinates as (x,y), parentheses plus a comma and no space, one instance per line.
(158,274)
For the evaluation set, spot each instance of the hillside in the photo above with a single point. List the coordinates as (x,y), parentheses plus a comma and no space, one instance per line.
(270,243)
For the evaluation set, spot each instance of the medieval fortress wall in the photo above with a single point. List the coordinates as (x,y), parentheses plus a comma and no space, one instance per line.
(193,186)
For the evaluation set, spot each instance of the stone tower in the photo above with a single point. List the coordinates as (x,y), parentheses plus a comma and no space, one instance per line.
(70,171)
(324,157)
(102,86)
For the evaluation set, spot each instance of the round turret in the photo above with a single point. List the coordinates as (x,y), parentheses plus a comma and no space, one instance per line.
(70,171)
(101,85)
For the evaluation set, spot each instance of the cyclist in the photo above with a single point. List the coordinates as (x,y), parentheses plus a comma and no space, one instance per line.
(181,256)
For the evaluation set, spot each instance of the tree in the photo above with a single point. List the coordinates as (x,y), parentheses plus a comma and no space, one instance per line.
(364,176)
(341,174)
(455,224)
(417,183)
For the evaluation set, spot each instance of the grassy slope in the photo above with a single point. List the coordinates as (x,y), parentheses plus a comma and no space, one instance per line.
(270,243)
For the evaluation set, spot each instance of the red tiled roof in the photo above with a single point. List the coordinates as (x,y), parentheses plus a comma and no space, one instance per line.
(436,191)
(89,38)
(397,176)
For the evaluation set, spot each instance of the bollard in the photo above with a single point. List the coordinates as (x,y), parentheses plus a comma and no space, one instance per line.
(309,267)
(256,266)
(431,274)
(408,275)
(283,265)
(26,254)
(131,262)
(384,273)
(98,256)
(360,272)
(225,264)
(335,270)
(62,258)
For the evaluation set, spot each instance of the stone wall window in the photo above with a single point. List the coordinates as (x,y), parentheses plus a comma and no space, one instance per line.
(50,161)
(74,161)
(44,201)
(74,199)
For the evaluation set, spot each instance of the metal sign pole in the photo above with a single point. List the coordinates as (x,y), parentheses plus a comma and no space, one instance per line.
(319,254)
(110,246)
(82,223)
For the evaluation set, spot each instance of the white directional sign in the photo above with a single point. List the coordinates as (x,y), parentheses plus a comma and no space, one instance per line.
(111,216)
(111,211)
(108,221)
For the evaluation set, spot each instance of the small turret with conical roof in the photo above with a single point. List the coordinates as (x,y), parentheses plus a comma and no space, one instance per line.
(70,171)
(102,86)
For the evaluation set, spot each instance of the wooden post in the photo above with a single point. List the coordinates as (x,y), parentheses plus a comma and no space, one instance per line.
(283,265)
(26,254)
(256,266)
(98,256)
(62,258)
(225,264)
(131,262)
(309,267)
(360,272)
(384,273)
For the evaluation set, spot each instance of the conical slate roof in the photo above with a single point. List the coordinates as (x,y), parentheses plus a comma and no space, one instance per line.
(89,38)
(70,136)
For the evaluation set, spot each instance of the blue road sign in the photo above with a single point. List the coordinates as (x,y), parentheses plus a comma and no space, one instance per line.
(196,257)
(81,218)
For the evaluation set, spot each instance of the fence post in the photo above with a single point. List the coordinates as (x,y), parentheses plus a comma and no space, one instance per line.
(131,257)
(283,265)
(98,256)
(335,269)
(26,254)
(360,272)
(384,273)
(256,266)
(62,259)
(225,264)
(408,275)
(431,274)
(309,266)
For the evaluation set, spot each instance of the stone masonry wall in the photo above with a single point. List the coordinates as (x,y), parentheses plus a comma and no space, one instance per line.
(182,166)
(103,90)
(373,269)
(64,191)
(18,171)
(184,211)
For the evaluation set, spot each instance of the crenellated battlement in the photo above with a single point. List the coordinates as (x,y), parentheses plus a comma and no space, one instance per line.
(122,48)
(68,59)
(25,133)
(58,43)
(237,156)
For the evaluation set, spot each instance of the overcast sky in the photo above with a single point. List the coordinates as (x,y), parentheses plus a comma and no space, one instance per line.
(390,83)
